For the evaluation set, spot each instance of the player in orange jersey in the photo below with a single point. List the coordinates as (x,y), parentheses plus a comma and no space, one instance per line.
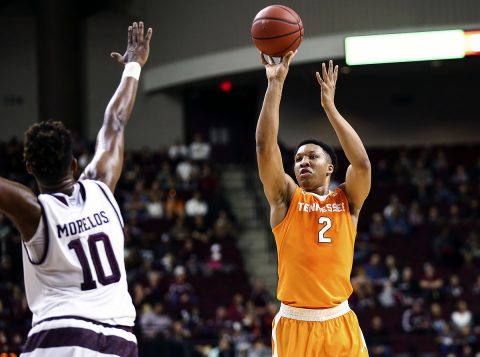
(314,227)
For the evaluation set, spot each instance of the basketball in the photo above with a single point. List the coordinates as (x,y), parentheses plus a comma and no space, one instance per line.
(276,30)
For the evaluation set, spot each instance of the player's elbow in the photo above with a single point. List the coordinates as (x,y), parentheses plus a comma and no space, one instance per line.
(364,165)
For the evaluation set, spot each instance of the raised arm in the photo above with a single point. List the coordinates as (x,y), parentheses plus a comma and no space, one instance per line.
(107,162)
(20,204)
(278,186)
(358,178)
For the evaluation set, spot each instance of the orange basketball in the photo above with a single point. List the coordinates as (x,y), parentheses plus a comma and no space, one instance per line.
(276,30)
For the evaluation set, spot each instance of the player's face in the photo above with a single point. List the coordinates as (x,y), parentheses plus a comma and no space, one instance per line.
(311,166)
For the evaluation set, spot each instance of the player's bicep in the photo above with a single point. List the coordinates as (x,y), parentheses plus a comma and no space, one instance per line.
(270,167)
(20,204)
(107,163)
(357,185)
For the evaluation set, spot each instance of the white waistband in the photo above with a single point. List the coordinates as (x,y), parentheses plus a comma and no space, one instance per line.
(298,313)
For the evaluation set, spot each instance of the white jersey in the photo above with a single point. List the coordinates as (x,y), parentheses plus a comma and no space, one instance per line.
(82,271)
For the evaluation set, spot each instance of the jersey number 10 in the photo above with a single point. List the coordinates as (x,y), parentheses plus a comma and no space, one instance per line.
(88,282)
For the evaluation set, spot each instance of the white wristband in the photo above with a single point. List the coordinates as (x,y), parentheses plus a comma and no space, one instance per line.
(132,69)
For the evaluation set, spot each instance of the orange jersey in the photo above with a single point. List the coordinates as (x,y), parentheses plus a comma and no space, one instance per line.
(315,243)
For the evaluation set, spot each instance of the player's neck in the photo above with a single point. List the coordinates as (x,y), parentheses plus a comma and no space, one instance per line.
(65,186)
(321,190)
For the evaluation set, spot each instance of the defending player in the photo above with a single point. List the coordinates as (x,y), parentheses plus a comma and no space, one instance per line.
(314,227)
(73,233)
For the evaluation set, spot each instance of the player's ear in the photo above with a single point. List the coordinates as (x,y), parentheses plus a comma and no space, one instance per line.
(74,165)
(29,168)
(330,169)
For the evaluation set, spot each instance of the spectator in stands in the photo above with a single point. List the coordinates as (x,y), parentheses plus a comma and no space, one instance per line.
(224,348)
(199,149)
(154,205)
(223,228)
(363,291)
(431,284)
(407,286)
(177,151)
(260,296)
(460,175)
(421,174)
(180,287)
(392,269)
(375,270)
(236,311)
(196,205)
(378,339)
(462,316)
(377,227)
(453,289)
(187,172)
(415,319)
(154,322)
(395,217)
(437,320)
(415,216)
(388,296)
(446,341)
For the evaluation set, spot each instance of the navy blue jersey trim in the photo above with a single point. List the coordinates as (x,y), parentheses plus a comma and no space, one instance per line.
(106,196)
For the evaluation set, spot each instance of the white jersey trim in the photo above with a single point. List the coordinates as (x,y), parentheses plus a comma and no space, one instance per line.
(77,323)
(70,351)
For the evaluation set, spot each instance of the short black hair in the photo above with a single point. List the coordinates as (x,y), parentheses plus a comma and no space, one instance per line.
(47,148)
(327,148)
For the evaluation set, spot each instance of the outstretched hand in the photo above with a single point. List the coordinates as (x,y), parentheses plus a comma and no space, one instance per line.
(277,71)
(328,82)
(138,45)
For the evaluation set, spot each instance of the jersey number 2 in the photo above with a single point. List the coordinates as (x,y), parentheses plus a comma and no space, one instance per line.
(327,222)
(88,282)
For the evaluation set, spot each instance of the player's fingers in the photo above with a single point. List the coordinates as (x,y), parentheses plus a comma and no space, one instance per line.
(129,39)
(262,59)
(149,35)
(324,72)
(140,32)
(319,78)
(134,33)
(330,70)
(270,60)
(288,58)
(335,74)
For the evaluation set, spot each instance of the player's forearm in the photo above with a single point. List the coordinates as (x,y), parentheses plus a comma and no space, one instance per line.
(268,121)
(349,140)
(120,107)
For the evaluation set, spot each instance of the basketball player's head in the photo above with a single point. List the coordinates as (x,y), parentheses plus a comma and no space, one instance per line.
(314,164)
(47,151)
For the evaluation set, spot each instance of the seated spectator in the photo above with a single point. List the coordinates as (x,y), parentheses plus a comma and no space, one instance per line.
(179,287)
(461,316)
(415,319)
(177,151)
(236,311)
(377,228)
(378,339)
(453,289)
(223,228)
(154,205)
(446,341)
(392,269)
(415,216)
(407,287)
(375,270)
(460,175)
(436,317)
(199,149)
(362,289)
(395,217)
(154,322)
(187,172)
(260,296)
(196,206)
(224,348)
(388,296)
(431,284)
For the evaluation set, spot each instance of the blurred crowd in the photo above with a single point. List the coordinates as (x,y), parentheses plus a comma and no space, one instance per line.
(185,272)
(416,274)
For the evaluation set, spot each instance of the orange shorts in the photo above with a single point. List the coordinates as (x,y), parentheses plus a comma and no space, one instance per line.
(316,333)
